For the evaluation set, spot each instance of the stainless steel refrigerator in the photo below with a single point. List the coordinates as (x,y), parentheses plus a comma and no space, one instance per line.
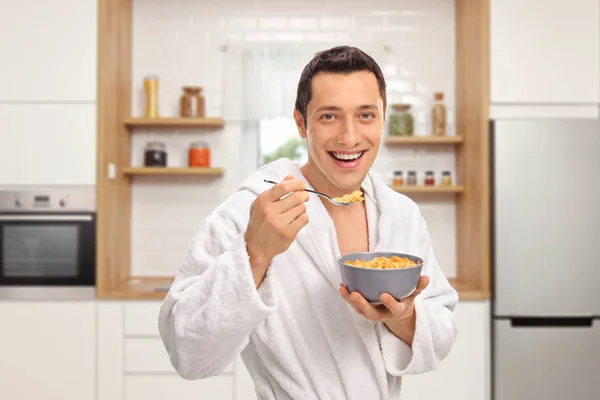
(545,191)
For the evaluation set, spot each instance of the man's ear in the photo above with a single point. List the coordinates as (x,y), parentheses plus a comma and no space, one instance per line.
(300,124)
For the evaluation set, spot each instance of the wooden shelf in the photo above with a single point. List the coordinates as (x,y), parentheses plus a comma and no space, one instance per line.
(428,189)
(175,122)
(166,171)
(413,140)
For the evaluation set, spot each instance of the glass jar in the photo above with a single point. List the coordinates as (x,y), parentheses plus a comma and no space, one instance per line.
(446,178)
(199,154)
(401,121)
(429,178)
(191,102)
(151,89)
(155,154)
(398,178)
(411,178)
(438,115)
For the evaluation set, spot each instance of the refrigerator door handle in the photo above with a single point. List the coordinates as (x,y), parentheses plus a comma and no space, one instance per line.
(552,322)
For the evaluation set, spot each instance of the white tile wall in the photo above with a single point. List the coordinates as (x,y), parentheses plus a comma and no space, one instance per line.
(181,41)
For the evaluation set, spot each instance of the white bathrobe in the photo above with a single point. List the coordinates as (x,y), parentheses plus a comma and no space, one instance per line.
(297,336)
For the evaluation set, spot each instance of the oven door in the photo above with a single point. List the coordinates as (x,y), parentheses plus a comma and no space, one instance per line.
(48,249)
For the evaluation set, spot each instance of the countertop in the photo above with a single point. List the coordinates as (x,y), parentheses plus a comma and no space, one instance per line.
(156,288)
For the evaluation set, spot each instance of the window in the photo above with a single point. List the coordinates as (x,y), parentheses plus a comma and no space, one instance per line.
(279,138)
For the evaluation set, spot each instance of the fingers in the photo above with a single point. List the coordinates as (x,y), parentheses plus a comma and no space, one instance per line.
(368,309)
(397,308)
(292,229)
(346,295)
(288,185)
(290,216)
(291,201)
(423,282)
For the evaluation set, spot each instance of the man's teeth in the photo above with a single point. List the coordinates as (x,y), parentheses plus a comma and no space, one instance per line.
(346,156)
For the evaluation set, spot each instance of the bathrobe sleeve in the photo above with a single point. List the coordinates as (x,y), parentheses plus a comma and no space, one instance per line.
(213,305)
(436,328)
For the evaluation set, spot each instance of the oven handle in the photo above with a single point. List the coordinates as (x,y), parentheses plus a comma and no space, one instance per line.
(45,217)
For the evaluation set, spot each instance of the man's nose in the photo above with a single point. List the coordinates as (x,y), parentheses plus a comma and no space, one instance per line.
(349,136)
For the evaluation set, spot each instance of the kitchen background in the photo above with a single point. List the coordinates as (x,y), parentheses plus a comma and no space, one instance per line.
(247,56)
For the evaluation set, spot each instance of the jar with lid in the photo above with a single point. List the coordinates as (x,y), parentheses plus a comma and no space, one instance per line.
(438,115)
(151,90)
(401,120)
(411,178)
(191,102)
(398,178)
(199,154)
(155,154)
(429,178)
(446,178)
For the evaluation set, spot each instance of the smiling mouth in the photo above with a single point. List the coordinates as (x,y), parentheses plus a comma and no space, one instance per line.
(347,157)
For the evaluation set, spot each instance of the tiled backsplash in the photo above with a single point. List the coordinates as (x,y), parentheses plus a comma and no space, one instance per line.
(190,42)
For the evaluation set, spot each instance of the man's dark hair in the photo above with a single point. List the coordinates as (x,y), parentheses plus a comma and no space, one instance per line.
(340,60)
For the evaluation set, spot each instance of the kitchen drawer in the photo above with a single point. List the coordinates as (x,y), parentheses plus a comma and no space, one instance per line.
(149,355)
(162,387)
(141,318)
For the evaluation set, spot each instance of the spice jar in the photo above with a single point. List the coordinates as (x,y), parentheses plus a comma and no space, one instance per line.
(199,155)
(151,89)
(411,178)
(446,178)
(401,120)
(191,102)
(429,178)
(438,115)
(155,154)
(398,179)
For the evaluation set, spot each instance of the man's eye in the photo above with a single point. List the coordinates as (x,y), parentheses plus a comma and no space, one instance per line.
(367,115)
(327,116)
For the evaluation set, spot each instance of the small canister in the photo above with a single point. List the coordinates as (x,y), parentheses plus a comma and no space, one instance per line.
(411,178)
(199,154)
(155,154)
(446,178)
(429,178)
(398,178)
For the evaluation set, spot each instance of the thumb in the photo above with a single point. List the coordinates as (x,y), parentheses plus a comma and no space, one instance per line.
(288,177)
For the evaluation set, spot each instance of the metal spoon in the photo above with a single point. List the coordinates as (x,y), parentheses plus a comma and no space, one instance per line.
(337,203)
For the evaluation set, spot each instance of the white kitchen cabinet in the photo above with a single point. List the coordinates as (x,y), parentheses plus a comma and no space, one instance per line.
(545,52)
(47,144)
(47,350)
(133,363)
(48,50)
(161,387)
(464,374)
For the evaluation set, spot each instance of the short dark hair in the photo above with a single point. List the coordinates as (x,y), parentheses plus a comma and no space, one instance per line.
(341,60)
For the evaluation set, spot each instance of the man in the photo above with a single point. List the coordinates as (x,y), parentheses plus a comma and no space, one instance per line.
(261,279)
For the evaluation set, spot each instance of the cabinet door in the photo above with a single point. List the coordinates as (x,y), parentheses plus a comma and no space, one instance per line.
(48,50)
(47,350)
(161,387)
(464,374)
(545,52)
(47,144)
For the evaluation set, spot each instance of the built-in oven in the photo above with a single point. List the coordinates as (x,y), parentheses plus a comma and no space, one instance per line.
(48,237)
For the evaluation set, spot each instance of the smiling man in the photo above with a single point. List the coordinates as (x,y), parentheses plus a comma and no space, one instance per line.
(260,278)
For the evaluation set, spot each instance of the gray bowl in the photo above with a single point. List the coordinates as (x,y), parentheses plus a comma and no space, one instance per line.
(371,282)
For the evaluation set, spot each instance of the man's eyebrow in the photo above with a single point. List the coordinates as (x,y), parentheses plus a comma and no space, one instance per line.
(368,107)
(328,108)
(335,108)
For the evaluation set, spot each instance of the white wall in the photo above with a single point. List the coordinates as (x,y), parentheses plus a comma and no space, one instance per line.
(180,41)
